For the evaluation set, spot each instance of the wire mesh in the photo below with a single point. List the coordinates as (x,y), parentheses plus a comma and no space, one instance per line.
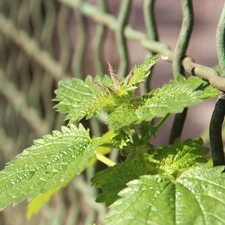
(42,42)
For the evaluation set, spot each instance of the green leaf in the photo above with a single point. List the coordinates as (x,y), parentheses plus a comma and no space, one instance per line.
(49,163)
(105,81)
(198,83)
(122,115)
(172,160)
(81,99)
(113,179)
(180,156)
(171,98)
(195,197)
(141,72)
(123,138)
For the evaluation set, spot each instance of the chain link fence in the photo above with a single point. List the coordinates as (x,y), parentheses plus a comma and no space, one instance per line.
(44,41)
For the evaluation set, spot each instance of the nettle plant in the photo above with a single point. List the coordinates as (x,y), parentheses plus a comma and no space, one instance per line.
(169,184)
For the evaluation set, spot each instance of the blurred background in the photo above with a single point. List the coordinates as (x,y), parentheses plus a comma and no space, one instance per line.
(44,41)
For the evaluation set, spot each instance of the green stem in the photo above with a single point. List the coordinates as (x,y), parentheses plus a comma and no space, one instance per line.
(161,122)
(104,159)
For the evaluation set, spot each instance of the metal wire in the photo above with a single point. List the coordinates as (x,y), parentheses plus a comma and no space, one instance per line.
(215,128)
(39,47)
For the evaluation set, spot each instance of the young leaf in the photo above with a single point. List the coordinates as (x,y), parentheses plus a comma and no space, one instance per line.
(81,99)
(141,72)
(122,115)
(49,163)
(113,179)
(195,197)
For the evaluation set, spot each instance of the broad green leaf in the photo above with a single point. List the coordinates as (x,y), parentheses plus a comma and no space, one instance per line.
(180,156)
(113,179)
(49,163)
(198,83)
(173,98)
(197,196)
(171,160)
(141,72)
(81,99)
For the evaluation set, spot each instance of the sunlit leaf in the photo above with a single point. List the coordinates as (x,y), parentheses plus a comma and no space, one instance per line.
(48,164)
(195,197)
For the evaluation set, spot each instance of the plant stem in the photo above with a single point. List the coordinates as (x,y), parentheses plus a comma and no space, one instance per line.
(104,159)
(161,122)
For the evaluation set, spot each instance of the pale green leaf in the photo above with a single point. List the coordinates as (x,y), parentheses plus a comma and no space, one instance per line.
(105,81)
(79,99)
(197,196)
(172,160)
(141,72)
(113,179)
(122,115)
(49,163)
(171,98)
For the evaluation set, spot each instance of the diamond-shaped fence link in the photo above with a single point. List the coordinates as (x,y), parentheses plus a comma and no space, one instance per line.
(44,41)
